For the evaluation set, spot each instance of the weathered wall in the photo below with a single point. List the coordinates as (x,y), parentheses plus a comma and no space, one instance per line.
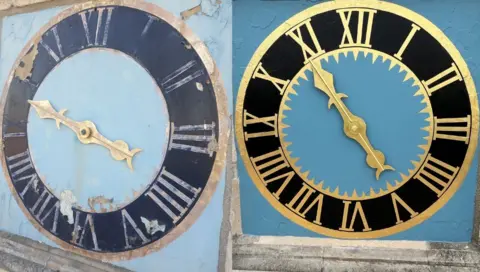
(195,250)
(255,20)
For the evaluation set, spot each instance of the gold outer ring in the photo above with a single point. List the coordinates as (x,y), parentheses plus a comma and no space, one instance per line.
(223,126)
(378,5)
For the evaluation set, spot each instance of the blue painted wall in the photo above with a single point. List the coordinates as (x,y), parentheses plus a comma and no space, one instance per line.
(254,20)
(197,249)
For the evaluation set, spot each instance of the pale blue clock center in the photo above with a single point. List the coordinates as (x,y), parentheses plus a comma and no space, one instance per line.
(376,94)
(119,96)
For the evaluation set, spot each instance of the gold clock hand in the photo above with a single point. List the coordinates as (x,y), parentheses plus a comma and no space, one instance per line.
(86,132)
(354,126)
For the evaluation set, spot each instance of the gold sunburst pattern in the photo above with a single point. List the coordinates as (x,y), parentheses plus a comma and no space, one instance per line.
(394,65)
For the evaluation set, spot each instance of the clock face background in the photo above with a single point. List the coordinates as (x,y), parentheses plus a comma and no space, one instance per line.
(54,166)
(397,115)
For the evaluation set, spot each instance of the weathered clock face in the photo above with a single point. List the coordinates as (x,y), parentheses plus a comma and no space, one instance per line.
(107,177)
(357,119)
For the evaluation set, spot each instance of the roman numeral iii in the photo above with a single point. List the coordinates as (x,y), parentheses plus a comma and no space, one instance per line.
(185,138)
(455,129)
(364,24)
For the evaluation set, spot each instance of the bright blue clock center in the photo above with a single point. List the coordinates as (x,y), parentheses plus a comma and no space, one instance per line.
(376,94)
(123,101)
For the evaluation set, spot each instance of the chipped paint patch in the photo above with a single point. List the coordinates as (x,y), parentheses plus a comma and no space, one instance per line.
(199,86)
(212,146)
(208,8)
(190,12)
(24,70)
(67,199)
(152,226)
(100,200)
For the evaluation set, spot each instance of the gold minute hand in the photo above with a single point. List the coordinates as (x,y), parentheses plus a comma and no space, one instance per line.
(353,126)
(86,131)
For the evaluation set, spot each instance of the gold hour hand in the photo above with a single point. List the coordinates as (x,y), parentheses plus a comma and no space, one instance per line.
(86,131)
(353,126)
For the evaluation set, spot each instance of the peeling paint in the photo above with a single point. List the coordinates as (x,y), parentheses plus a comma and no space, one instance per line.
(152,226)
(25,68)
(212,146)
(67,199)
(100,200)
(208,8)
(190,12)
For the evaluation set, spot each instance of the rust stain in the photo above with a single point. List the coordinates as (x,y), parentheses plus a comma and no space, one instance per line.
(190,12)
(100,200)
(25,67)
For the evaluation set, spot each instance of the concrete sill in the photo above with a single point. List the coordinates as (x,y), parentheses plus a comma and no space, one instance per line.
(267,253)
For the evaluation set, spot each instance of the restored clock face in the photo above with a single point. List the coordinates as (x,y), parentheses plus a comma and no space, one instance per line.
(357,119)
(103,112)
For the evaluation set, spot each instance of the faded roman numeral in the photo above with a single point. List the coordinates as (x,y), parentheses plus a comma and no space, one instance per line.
(269,122)
(173,195)
(98,35)
(133,224)
(204,144)
(363,33)
(151,18)
(79,231)
(55,51)
(19,163)
(181,76)
(307,50)
(268,165)
(38,209)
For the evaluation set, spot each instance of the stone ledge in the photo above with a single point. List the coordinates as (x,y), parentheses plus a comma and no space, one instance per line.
(18,253)
(263,253)
(6,4)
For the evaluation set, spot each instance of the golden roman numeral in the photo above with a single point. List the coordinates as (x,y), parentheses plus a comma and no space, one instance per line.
(280,84)
(318,201)
(273,162)
(443,79)
(407,41)
(444,125)
(356,211)
(296,34)
(363,34)
(269,121)
(434,172)
(397,200)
